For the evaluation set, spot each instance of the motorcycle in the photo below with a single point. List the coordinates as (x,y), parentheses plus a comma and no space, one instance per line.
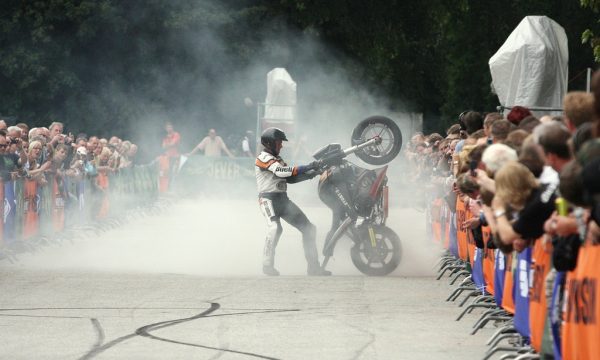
(358,197)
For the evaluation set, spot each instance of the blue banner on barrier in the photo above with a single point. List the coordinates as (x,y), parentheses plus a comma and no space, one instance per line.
(453,246)
(521,291)
(478,278)
(10,210)
(555,311)
(499,273)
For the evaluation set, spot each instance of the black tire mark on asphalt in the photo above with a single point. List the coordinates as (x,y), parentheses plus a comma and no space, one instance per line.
(99,331)
(99,349)
(145,332)
(208,347)
(98,346)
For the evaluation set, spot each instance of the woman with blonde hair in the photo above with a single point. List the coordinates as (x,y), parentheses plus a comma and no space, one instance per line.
(34,176)
(532,203)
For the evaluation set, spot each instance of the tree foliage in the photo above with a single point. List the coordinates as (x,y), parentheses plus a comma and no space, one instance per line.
(111,66)
(589,35)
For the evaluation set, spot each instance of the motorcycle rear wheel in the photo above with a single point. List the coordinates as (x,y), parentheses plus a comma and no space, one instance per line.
(381,259)
(390,134)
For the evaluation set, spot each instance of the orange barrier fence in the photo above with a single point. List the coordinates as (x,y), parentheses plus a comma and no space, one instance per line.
(581,326)
(580,333)
(32,209)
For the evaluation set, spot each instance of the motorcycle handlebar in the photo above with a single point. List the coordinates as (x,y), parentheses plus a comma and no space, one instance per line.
(374,141)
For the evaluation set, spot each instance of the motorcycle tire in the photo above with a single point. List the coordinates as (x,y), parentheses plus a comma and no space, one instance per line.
(381,260)
(391,140)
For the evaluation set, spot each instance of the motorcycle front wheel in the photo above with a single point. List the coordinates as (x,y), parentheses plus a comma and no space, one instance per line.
(384,128)
(379,257)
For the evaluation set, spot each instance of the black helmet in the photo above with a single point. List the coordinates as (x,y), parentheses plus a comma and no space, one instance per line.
(269,136)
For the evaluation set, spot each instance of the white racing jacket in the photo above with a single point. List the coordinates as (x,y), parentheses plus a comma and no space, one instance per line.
(271,173)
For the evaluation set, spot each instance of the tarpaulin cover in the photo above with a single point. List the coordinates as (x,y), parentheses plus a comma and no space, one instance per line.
(531,68)
(280,104)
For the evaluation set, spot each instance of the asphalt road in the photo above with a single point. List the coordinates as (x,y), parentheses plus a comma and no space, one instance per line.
(187,285)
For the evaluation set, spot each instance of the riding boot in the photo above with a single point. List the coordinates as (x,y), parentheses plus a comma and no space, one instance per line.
(317,271)
(310,252)
(270,271)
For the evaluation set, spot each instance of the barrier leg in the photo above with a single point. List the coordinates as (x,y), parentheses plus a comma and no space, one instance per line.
(484,322)
(503,330)
(469,295)
(493,312)
(470,308)
(504,336)
(458,291)
(528,357)
(499,348)
(459,274)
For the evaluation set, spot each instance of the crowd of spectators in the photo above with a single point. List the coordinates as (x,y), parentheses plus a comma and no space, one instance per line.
(513,172)
(41,152)
(49,179)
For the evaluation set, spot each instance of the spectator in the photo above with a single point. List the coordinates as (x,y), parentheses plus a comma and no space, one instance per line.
(473,121)
(79,164)
(533,158)
(171,141)
(248,144)
(518,113)
(60,154)
(495,156)
(24,130)
(581,135)
(500,130)
(3,125)
(489,120)
(14,139)
(529,123)
(212,145)
(516,138)
(92,144)
(34,168)
(578,107)
(55,133)
(453,132)
(553,138)
(9,162)
(114,140)
(477,138)
(517,188)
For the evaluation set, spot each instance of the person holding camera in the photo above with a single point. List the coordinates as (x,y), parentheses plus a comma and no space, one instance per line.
(272,177)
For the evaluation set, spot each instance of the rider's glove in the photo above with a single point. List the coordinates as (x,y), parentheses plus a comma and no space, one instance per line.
(315,165)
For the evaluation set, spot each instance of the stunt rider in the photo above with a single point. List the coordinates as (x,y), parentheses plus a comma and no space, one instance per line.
(272,176)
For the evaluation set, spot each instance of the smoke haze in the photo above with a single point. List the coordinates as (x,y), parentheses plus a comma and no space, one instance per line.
(217,234)
(208,237)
